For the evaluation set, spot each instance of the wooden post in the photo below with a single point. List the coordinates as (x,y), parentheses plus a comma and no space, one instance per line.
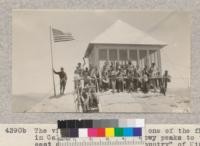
(117,54)
(128,54)
(159,61)
(108,57)
(138,57)
(96,58)
(155,58)
(148,59)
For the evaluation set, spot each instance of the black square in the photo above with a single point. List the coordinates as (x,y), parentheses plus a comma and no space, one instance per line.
(71,124)
(88,123)
(79,124)
(61,124)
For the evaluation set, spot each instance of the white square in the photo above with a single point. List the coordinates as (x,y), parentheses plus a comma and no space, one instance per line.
(122,122)
(83,132)
(131,122)
(139,123)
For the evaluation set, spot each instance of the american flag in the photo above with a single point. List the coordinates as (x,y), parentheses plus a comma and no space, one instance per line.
(60,36)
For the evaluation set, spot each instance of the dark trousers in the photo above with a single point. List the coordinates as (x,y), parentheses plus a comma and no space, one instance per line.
(131,85)
(113,84)
(105,86)
(136,84)
(119,85)
(62,87)
(145,87)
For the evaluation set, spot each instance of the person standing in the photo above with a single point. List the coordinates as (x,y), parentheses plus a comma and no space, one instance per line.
(165,80)
(113,79)
(152,76)
(119,81)
(138,75)
(63,79)
(105,81)
(145,80)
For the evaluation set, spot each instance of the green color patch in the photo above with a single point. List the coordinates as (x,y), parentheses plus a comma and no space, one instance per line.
(118,132)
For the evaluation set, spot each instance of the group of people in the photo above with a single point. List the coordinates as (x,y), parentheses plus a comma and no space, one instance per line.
(131,78)
(121,77)
(85,87)
(116,77)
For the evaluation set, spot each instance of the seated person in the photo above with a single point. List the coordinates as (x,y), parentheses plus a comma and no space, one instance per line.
(93,101)
(85,99)
(89,97)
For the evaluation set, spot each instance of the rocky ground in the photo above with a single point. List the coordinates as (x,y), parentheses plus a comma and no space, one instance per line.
(174,101)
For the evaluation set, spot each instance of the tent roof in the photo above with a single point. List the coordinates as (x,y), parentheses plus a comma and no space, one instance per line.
(123,33)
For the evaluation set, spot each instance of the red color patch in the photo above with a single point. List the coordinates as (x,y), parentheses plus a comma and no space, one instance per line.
(101,132)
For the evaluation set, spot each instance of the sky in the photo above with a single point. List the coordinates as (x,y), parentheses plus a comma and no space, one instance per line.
(31,62)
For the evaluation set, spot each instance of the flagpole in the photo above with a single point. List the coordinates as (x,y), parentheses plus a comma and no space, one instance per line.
(51,46)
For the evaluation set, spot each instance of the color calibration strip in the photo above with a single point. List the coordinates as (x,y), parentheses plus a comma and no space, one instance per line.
(101,132)
(101,128)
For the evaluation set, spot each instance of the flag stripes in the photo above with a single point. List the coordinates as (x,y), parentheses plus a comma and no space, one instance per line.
(60,36)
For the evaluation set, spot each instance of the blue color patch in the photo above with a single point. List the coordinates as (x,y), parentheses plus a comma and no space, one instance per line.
(127,132)
(137,131)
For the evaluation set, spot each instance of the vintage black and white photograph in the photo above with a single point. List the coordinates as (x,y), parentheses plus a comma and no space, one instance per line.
(93,61)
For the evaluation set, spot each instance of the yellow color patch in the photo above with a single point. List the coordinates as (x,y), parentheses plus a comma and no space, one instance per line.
(109,132)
